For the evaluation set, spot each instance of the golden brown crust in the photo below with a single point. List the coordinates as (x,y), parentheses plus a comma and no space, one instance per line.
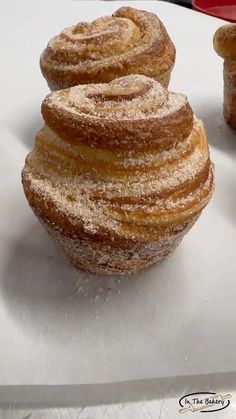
(116,209)
(225,46)
(85,114)
(225,41)
(230,92)
(130,41)
(104,257)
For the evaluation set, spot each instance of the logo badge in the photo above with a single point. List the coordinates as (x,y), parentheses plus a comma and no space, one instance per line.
(204,402)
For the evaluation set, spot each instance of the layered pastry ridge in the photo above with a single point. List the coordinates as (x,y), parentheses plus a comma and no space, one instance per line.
(119,173)
(225,46)
(130,41)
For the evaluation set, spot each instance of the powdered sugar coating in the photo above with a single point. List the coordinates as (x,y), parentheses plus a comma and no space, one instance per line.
(120,99)
(129,41)
(132,113)
(102,258)
(118,210)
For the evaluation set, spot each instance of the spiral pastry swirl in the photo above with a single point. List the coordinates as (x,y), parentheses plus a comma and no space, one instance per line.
(225,45)
(130,41)
(119,173)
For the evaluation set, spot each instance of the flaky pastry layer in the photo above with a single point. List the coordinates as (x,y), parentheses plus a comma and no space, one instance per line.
(113,207)
(130,41)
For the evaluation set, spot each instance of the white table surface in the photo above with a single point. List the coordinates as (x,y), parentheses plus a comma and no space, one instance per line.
(154,409)
(160,406)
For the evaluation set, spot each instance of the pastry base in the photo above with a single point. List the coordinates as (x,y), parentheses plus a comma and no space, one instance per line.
(106,257)
(230,92)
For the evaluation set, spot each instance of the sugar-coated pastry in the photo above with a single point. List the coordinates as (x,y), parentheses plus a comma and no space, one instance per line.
(130,41)
(225,45)
(119,173)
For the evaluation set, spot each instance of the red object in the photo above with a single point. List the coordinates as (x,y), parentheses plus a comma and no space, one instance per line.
(224,9)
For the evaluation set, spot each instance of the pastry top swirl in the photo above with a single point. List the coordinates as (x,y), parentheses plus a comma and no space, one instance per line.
(132,113)
(126,160)
(129,41)
(225,41)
